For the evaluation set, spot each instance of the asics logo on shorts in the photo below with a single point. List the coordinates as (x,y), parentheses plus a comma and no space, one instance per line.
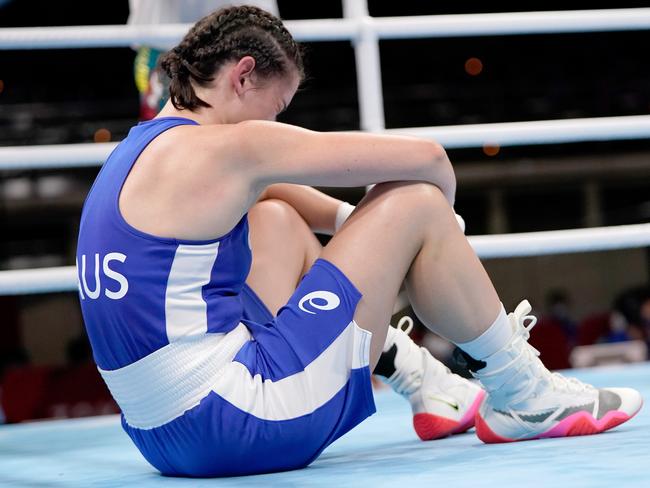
(319,300)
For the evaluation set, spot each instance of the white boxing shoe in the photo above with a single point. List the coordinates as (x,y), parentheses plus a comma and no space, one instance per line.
(526,401)
(443,403)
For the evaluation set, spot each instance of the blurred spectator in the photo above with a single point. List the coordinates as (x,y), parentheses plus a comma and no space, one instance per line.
(603,327)
(558,311)
(618,330)
(644,321)
(628,319)
(149,80)
(79,351)
(634,305)
(13,358)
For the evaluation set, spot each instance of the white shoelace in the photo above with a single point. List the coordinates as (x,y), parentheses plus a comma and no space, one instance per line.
(556,380)
(405,320)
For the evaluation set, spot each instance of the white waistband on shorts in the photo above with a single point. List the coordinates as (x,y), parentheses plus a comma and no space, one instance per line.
(165,384)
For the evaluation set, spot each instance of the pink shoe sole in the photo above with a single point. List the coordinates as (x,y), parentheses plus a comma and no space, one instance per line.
(429,427)
(580,423)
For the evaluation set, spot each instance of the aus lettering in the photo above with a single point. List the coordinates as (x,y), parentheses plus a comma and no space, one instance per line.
(104,275)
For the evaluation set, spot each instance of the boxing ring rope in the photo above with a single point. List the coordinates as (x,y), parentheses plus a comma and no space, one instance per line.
(365,32)
(54,156)
(405,27)
(450,136)
(47,280)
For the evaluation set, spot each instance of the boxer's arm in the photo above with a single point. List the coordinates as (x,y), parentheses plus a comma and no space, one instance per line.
(315,207)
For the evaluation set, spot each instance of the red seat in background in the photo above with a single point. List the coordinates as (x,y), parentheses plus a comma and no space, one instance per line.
(31,392)
(551,341)
(77,391)
(23,392)
(592,328)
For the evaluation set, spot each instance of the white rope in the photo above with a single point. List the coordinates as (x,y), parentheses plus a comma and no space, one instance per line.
(54,156)
(453,136)
(40,280)
(166,34)
(343,29)
(510,23)
(535,132)
(561,241)
(47,280)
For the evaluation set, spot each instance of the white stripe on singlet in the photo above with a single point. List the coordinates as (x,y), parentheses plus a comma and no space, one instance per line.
(301,393)
(185,309)
(165,384)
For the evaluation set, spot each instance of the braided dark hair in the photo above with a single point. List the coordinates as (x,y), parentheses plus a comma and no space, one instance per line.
(224,35)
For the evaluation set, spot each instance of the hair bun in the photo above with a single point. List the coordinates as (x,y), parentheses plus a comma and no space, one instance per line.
(172,64)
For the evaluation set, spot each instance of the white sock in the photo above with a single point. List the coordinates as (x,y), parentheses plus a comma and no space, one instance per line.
(492,340)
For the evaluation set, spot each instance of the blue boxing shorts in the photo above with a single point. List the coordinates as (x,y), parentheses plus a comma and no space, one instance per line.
(298,382)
